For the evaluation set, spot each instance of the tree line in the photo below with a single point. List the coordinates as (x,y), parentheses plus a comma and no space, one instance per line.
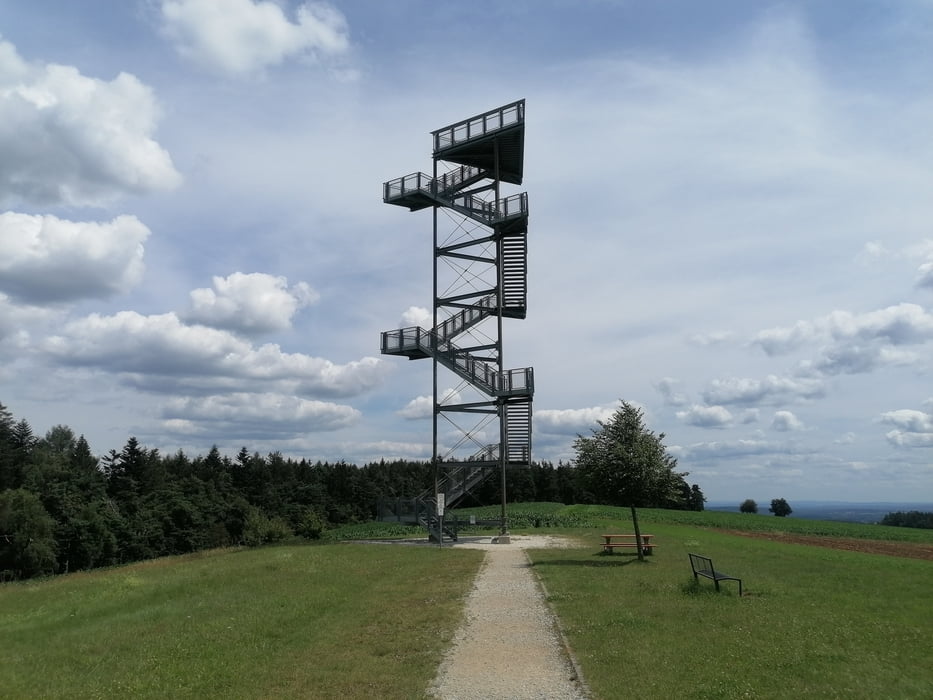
(64,509)
(910,518)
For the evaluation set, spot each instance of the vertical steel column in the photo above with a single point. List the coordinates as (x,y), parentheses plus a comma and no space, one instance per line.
(500,402)
(436,404)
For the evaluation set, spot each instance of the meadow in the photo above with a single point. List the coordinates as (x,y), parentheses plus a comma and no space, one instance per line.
(371,620)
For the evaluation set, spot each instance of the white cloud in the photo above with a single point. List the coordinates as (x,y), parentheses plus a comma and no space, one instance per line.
(47,259)
(249,303)
(417,316)
(899,325)
(903,438)
(771,389)
(777,341)
(785,421)
(912,428)
(670,389)
(902,324)
(727,449)
(874,249)
(16,320)
(161,354)
(245,36)
(418,408)
(709,339)
(571,421)
(847,438)
(731,449)
(909,420)
(422,407)
(388,450)
(255,415)
(706,416)
(70,139)
(925,275)
(858,359)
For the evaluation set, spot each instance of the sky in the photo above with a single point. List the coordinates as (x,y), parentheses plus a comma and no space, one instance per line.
(731,226)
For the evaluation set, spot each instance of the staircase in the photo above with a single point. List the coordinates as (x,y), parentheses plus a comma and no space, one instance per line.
(518,432)
(514,278)
(479,153)
(417,343)
(457,481)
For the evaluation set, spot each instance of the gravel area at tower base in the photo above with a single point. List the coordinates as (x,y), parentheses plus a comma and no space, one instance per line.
(509,646)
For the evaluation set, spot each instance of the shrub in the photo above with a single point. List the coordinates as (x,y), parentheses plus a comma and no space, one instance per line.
(260,529)
(780,508)
(312,525)
(748,506)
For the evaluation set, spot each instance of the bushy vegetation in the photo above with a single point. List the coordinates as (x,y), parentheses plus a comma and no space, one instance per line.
(911,518)
(780,507)
(625,463)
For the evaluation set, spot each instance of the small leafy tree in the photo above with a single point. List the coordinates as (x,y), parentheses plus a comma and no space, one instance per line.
(625,464)
(748,506)
(780,508)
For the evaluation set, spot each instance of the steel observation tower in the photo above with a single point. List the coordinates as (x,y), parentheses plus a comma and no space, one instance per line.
(482,410)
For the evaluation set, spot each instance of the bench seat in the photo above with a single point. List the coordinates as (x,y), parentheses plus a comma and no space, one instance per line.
(703,566)
(628,544)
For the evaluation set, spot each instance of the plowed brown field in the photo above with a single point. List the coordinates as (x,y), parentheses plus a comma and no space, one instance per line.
(911,550)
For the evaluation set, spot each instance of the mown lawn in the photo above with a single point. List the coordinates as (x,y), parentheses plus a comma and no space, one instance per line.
(335,621)
(372,621)
(813,623)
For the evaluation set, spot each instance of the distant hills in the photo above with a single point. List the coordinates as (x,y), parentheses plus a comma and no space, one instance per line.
(831,510)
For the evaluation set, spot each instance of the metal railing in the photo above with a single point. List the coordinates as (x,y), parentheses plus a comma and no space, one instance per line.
(481,374)
(459,322)
(486,212)
(480,125)
(400,186)
(491,213)
(422,182)
(455,179)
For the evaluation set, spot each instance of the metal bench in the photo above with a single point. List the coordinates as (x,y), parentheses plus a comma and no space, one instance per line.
(703,566)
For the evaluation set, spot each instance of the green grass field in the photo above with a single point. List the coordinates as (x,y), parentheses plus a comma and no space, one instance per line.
(372,621)
(333,621)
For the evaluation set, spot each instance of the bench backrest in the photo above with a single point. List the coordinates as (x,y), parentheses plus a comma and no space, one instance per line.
(700,563)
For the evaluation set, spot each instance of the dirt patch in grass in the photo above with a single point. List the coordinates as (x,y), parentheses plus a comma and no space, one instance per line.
(911,550)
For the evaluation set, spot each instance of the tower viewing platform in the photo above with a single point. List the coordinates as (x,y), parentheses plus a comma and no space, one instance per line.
(496,137)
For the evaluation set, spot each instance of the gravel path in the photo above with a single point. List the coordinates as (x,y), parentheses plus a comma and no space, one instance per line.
(509,646)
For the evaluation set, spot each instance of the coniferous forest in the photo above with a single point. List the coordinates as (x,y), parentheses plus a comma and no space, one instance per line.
(64,509)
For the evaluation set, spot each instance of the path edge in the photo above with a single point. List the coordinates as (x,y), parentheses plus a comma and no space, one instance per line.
(559,629)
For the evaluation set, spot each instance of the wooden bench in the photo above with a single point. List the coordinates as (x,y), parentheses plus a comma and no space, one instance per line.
(703,566)
(611,542)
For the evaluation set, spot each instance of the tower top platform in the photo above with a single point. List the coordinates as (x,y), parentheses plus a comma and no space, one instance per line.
(479,141)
